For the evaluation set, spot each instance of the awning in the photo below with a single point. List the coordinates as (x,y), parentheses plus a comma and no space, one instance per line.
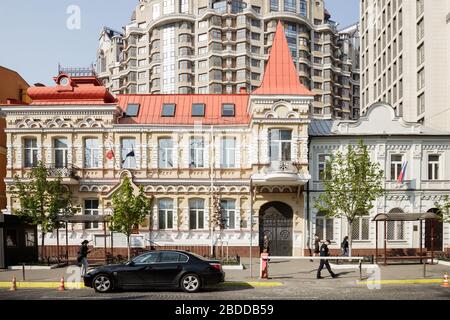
(84,218)
(395,216)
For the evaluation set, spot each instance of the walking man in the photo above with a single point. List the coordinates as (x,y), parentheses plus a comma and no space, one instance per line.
(325,252)
(82,257)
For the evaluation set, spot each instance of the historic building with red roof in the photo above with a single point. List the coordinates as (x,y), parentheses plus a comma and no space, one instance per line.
(250,152)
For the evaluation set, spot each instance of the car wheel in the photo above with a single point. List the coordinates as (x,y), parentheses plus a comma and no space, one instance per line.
(190,283)
(102,283)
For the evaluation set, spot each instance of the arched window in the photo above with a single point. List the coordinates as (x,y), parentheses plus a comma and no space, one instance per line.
(324,227)
(396,229)
(165,214)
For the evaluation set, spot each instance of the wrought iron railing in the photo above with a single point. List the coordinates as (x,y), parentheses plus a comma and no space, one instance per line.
(283,167)
(66,171)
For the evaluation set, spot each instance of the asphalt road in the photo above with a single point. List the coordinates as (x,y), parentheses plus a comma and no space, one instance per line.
(326,289)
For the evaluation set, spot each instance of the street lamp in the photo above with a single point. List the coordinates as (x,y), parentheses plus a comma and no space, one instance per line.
(251,227)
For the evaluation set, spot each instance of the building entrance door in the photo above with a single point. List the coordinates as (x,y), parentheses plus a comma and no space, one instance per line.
(276,221)
(434,229)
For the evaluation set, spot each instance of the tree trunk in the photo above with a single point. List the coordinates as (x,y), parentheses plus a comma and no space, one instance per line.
(128,247)
(350,232)
(42,246)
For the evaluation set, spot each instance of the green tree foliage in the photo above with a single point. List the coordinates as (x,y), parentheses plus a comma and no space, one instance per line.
(42,200)
(444,209)
(130,210)
(352,183)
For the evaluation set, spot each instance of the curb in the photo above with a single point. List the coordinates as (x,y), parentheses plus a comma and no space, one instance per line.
(410,281)
(80,285)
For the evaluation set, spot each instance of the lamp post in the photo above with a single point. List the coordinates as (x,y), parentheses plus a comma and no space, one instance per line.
(251,227)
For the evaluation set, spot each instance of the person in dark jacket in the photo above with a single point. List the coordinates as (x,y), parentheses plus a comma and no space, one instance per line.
(344,247)
(82,257)
(325,252)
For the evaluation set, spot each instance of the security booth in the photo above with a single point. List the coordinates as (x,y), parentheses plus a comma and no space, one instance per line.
(18,241)
(426,252)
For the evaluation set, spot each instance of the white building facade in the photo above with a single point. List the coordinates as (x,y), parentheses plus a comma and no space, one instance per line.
(392,143)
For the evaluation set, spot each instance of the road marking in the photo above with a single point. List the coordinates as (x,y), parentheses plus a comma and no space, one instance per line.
(43,285)
(411,281)
(80,285)
(252,284)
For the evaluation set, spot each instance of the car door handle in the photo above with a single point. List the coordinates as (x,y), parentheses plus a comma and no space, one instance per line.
(148,268)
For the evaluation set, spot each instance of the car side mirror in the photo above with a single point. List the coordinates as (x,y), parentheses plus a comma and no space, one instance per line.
(130,263)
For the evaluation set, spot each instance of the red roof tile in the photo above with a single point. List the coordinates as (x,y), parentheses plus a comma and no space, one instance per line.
(281,76)
(151,108)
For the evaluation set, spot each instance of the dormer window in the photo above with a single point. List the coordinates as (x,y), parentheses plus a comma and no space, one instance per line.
(132,110)
(168,110)
(228,110)
(198,110)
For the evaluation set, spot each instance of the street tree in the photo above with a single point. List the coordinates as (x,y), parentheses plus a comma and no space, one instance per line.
(444,209)
(352,183)
(130,208)
(43,199)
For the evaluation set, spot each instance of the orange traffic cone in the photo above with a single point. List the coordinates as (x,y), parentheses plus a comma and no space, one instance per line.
(61,285)
(445,283)
(13,284)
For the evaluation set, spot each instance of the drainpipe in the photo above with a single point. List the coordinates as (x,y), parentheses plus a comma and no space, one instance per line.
(211,164)
(251,227)
(308,203)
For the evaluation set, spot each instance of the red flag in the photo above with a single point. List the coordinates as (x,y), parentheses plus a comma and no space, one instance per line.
(110,154)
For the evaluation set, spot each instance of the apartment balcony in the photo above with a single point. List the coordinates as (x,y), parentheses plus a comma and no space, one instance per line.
(281,173)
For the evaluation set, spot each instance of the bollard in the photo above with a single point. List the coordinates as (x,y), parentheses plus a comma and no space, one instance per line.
(264,274)
(424,268)
(13,284)
(23,271)
(360,269)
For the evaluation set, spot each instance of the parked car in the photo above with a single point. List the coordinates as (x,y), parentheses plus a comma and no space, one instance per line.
(157,269)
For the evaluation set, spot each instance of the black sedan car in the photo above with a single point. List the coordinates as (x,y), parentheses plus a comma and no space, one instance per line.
(157,269)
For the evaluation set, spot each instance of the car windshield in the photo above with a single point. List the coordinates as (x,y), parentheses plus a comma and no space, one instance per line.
(146,258)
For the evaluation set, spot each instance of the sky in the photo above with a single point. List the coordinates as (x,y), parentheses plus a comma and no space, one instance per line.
(37,35)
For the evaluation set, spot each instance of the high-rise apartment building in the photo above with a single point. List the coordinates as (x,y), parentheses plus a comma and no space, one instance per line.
(405,49)
(199,46)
